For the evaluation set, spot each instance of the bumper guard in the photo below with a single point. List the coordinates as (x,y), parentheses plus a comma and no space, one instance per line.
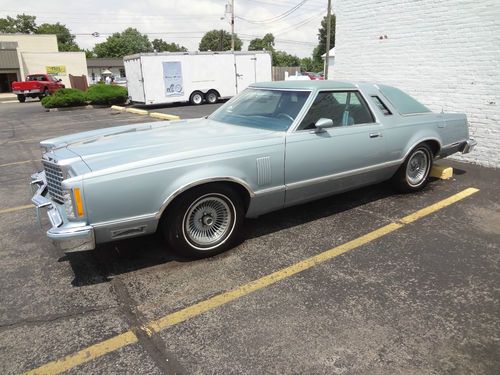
(68,236)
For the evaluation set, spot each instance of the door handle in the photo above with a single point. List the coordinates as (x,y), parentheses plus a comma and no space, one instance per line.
(375,135)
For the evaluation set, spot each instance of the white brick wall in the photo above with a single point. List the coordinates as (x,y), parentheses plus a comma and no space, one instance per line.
(446,53)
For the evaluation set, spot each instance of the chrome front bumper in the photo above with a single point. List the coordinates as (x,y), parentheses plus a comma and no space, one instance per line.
(68,236)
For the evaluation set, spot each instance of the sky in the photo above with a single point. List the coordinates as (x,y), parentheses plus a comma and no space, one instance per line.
(181,21)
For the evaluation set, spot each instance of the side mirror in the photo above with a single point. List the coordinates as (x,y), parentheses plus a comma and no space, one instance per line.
(323,123)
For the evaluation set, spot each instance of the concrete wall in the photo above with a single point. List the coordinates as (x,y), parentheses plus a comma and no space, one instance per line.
(75,63)
(445,53)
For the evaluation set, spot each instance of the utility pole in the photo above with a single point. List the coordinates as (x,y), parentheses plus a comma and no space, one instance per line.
(232,25)
(328,32)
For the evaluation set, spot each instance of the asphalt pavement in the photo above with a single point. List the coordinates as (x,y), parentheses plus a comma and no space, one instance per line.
(359,283)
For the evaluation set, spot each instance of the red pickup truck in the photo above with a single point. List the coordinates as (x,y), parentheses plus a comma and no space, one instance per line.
(36,85)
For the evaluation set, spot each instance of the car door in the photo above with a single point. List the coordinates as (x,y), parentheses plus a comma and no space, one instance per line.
(339,158)
(51,83)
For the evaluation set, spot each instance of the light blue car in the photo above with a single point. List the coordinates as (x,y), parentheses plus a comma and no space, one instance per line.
(275,145)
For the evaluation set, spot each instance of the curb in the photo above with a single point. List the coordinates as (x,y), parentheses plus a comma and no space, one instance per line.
(137,111)
(75,108)
(118,108)
(164,116)
(441,171)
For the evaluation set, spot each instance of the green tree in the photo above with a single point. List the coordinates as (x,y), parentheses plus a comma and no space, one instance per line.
(219,40)
(162,46)
(65,40)
(307,64)
(266,43)
(127,42)
(282,58)
(23,24)
(321,47)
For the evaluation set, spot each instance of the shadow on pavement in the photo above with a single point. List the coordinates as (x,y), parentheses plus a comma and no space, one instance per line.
(111,259)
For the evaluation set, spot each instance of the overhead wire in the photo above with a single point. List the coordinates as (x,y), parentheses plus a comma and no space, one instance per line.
(275,18)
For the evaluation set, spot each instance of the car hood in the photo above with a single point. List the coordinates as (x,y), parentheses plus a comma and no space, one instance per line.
(160,142)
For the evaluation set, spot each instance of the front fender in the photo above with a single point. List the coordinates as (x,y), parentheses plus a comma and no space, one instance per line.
(203,176)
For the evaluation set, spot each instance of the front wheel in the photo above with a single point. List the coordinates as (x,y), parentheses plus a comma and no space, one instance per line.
(413,175)
(21,98)
(204,221)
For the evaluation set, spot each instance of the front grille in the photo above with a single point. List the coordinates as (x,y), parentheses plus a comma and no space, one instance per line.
(54,176)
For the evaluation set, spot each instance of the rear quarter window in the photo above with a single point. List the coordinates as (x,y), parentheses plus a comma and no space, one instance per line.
(403,102)
(381,105)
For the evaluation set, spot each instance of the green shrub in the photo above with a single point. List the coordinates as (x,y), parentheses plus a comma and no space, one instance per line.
(65,98)
(106,94)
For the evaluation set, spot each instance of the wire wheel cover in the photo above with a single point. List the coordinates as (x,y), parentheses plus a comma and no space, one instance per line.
(417,168)
(208,221)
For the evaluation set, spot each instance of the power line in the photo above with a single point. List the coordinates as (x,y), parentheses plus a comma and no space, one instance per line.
(276,18)
(299,24)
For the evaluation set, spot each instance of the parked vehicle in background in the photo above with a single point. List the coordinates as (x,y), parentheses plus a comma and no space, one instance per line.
(314,76)
(195,77)
(275,145)
(120,81)
(36,86)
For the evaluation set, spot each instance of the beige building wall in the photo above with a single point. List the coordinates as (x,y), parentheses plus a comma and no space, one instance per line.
(74,63)
(31,43)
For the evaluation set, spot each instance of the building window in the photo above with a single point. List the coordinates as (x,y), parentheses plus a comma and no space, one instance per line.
(122,72)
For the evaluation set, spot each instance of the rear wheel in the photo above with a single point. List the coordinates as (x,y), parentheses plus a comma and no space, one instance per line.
(44,94)
(211,97)
(21,98)
(196,98)
(204,221)
(413,175)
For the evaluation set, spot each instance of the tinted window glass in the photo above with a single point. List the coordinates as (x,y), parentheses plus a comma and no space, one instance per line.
(380,104)
(402,101)
(343,108)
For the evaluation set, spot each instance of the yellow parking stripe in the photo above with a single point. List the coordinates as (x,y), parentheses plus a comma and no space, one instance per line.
(24,140)
(87,354)
(13,209)
(127,338)
(17,162)
(437,206)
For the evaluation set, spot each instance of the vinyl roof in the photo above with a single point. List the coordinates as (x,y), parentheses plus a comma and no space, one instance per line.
(306,85)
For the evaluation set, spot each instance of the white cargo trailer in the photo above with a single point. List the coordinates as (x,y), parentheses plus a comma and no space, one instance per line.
(197,77)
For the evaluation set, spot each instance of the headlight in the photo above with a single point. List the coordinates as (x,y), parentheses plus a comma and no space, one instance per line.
(68,204)
(73,203)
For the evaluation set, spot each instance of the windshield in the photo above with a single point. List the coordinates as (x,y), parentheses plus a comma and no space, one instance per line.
(262,108)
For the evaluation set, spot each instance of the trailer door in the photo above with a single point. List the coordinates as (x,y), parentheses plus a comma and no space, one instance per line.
(135,80)
(245,71)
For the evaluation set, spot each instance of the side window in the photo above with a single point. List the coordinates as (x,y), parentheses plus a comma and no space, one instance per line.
(380,104)
(344,108)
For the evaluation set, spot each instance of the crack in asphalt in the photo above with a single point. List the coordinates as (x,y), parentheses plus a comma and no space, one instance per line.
(51,317)
(150,341)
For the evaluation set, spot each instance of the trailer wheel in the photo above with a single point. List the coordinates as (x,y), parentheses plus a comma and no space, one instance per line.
(211,97)
(21,98)
(196,98)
